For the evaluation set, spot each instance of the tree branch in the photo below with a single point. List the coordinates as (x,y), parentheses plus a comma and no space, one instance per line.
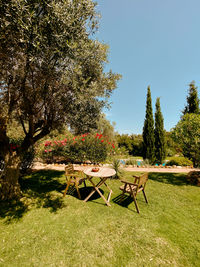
(21,121)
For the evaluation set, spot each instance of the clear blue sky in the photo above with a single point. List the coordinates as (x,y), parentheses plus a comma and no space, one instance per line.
(152,42)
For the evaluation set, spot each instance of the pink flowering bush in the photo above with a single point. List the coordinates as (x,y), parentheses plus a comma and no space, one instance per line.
(92,147)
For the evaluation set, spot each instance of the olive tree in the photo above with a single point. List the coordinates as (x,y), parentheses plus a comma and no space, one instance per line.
(51,72)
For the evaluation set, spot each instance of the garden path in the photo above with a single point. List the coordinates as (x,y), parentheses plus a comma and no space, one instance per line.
(61,167)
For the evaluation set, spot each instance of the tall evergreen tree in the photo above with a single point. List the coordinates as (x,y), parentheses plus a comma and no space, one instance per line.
(192,105)
(148,131)
(160,149)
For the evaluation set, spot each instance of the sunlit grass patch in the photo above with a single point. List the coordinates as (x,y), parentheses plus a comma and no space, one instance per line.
(44,228)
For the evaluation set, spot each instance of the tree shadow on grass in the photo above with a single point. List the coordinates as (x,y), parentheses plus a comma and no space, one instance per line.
(43,181)
(169,178)
(12,210)
(39,189)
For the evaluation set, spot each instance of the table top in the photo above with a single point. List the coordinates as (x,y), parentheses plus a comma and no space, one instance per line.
(103,172)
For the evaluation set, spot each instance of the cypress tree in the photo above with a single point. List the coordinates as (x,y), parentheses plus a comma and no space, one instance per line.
(160,149)
(148,131)
(192,105)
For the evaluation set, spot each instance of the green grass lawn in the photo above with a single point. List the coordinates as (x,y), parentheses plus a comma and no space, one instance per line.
(46,230)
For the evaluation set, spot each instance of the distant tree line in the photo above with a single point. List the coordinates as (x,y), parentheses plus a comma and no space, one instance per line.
(155,143)
(131,143)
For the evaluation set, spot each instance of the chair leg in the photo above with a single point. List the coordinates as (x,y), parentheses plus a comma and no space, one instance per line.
(145,196)
(120,201)
(77,189)
(68,184)
(124,191)
(136,205)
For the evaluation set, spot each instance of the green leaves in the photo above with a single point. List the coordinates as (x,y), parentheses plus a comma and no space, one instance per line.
(187,134)
(51,68)
(50,65)
(92,147)
(148,131)
(192,105)
(160,149)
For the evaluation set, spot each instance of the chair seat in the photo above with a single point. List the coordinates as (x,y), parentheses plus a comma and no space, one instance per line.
(73,177)
(133,188)
(128,190)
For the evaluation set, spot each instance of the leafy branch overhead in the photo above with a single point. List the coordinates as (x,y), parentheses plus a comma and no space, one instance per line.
(51,70)
(49,63)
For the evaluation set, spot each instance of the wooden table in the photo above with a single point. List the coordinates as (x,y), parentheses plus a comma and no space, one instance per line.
(103,174)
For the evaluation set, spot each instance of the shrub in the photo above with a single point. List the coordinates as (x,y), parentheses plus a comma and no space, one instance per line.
(131,162)
(187,134)
(27,157)
(170,152)
(27,161)
(116,166)
(179,161)
(94,148)
(194,178)
(145,163)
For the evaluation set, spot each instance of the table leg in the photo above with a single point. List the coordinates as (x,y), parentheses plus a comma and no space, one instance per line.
(96,188)
(93,191)
(109,195)
(107,203)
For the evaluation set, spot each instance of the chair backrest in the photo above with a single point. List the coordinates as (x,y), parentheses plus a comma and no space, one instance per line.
(142,180)
(69,169)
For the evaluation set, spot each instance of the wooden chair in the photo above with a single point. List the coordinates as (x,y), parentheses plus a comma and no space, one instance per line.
(74,178)
(134,188)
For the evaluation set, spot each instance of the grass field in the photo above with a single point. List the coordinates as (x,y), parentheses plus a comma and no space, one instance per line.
(43,229)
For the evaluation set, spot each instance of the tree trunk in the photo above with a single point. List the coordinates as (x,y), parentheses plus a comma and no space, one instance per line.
(9,185)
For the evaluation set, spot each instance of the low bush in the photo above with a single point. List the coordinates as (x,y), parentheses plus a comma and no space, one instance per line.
(194,178)
(86,147)
(116,166)
(179,161)
(27,161)
(145,163)
(131,162)
(170,152)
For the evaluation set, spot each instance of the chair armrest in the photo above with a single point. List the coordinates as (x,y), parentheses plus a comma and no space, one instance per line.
(125,182)
(79,172)
(72,175)
(136,176)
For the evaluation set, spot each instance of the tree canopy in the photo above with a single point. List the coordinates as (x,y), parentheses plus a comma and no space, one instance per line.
(51,68)
(51,71)
(192,105)
(187,134)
